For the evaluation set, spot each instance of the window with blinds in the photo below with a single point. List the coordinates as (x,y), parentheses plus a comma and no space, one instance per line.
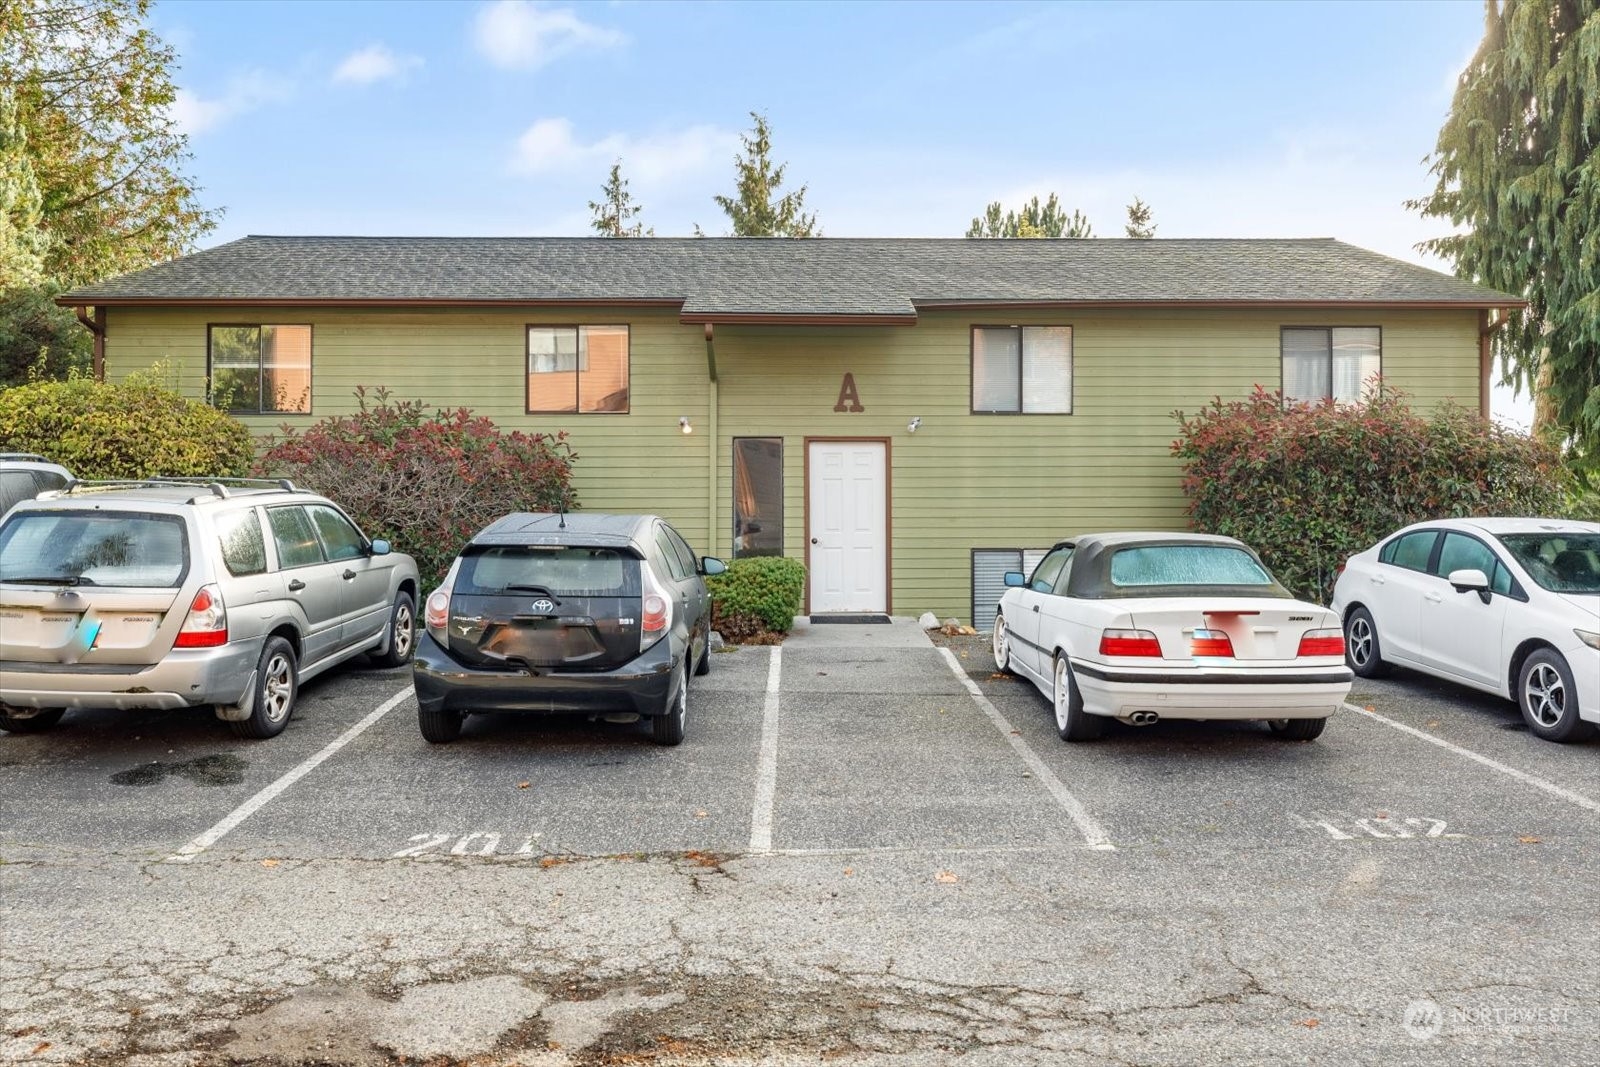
(1338,363)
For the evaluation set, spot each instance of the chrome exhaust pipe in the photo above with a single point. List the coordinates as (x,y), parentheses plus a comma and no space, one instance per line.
(1143,718)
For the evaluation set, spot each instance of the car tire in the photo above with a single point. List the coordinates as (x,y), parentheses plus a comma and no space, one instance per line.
(667,728)
(1000,645)
(277,686)
(1548,698)
(1297,729)
(402,633)
(702,666)
(1072,722)
(1362,652)
(439,727)
(33,724)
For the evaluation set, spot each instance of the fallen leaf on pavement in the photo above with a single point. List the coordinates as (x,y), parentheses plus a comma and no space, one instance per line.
(701,814)
(848,871)
(523,785)
(946,877)
(1310,1024)
(1529,839)
(269,863)
(1371,708)
(41,1047)
(1432,724)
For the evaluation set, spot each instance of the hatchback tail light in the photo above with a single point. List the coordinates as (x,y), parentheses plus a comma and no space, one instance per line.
(1214,643)
(656,616)
(1322,643)
(1129,643)
(207,623)
(436,615)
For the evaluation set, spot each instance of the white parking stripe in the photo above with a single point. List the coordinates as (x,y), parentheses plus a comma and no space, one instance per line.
(261,799)
(767,765)
(1522,776)
(1091,830)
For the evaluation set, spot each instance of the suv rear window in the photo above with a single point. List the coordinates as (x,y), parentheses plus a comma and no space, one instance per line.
(496,569)
(94,548)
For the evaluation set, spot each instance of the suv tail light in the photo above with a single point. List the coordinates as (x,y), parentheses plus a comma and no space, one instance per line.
(207,623)
(656,617)
(436,615)
(1322,643)
(1129,643)
(1213,643)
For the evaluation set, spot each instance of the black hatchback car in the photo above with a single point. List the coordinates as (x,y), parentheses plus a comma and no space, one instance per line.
(556,614)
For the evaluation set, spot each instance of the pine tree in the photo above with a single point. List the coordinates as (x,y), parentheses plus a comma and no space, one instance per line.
(758,210)
(1518,175)
(1139,225)
(1032,220)
(615,208)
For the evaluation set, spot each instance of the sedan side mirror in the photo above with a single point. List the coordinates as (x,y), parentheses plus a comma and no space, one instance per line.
(1469,581)
(1015,580)
(710,565)
(380,547)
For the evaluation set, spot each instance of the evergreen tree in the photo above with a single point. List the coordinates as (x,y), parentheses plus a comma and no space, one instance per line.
(758,210)
(1032,220)
(1139,225)
(1518,176)
(615,208)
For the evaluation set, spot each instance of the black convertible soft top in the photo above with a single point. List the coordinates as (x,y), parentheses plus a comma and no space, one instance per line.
(1090,577)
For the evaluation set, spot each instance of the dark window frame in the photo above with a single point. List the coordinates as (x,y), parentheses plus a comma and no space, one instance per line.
(311,365)
(1022,355)
(577,379)
(1282,378)
(733,509)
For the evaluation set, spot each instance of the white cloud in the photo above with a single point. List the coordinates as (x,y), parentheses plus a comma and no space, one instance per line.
(374,63)
(550,146)
(196,114)
(521,35)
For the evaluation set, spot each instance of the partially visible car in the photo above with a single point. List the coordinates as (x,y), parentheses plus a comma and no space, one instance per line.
(560,613)
(1140,627)
(1510,606)
(168,593)
(24,475)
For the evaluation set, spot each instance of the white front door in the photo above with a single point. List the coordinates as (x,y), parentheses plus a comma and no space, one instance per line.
(849,527)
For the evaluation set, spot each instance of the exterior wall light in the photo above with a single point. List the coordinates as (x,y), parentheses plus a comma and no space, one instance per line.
(684,425)
(911,427)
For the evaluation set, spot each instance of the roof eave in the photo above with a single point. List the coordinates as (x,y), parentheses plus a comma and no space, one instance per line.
(90,300)
(762,318)
(1404,305)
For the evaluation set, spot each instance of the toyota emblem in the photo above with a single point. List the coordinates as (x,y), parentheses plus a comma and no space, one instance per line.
(544,606)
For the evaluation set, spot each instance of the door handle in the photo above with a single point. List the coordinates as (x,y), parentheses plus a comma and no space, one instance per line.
(348,575)
(1434,598)
(1376,579)
(295,585)
(1036,609)
(815,541)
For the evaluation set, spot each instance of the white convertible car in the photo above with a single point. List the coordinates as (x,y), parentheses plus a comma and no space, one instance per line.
(1140,627)
(1509,606)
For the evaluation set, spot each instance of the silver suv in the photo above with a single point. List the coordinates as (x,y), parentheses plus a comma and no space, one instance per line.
(173,593)
(24,475)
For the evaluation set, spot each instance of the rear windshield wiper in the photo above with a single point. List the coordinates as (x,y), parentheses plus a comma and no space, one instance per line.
(541,590)
(51,579)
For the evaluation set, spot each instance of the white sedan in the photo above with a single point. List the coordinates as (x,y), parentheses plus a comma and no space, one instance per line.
(1509,606)
(1140,627)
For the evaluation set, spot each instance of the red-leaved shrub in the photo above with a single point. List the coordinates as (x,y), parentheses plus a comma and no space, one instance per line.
(1309,485)
(425,482)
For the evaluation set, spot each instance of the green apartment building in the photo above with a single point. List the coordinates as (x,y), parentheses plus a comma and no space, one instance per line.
(911,418)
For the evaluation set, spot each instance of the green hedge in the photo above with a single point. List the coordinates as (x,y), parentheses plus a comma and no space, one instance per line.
(758,598)
(130,429)
(1308,486)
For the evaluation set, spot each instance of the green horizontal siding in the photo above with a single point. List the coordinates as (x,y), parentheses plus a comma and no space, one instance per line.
(961,481)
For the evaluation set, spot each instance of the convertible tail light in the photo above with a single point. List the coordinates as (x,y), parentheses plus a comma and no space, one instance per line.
(207,623)
(1210,643)
(1322,643)
(1129,643)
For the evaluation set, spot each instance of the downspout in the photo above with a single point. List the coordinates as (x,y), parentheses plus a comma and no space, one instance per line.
(94,321)
(712,537)
(1487,328)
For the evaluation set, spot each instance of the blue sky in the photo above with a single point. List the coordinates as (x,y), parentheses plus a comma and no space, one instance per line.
(503,117)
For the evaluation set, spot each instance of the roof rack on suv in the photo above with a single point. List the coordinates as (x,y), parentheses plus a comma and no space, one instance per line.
(218,487)
(31,457)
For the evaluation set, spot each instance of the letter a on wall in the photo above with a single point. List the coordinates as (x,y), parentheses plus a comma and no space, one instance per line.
(849,399)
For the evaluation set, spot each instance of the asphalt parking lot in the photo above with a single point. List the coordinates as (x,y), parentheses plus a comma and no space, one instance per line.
(868,848)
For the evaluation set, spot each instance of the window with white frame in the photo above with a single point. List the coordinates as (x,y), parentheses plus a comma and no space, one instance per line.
(1022,370)
(1338,363)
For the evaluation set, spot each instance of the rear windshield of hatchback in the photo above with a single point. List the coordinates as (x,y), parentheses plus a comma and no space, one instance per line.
(104,548)
(1186,565)
(515,569)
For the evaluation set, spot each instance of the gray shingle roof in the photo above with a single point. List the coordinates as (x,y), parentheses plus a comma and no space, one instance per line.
(716,278)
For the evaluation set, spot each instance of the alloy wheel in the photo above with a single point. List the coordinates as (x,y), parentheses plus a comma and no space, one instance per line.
(1544,695)
(404,630)
(1360,639)
(278,690)
(1061,693)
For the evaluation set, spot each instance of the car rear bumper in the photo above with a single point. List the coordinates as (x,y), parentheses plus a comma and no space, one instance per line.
(445,684)
(1302,693)
(184,678)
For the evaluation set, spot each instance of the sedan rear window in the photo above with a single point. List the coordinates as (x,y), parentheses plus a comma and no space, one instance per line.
(1561,563)
(490,571)
(94,548)
(1186,565)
